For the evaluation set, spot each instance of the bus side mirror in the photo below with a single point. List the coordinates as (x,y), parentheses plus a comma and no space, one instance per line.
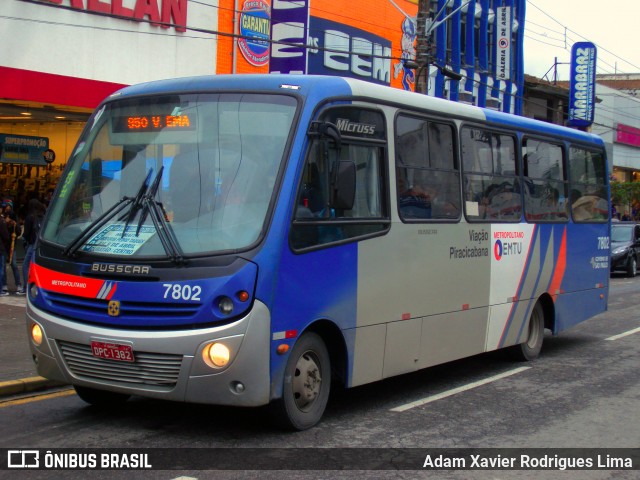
(343,192)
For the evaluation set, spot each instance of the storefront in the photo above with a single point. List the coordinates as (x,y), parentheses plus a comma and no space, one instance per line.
(35,141)
(60,58)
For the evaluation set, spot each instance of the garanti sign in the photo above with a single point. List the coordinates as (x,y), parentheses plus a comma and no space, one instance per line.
(582,92)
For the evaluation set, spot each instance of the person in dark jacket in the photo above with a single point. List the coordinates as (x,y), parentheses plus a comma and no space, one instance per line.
(15,231)
(32,223)
(4,250)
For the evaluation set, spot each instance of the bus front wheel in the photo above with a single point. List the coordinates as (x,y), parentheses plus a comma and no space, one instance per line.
(307,381)
(531,347)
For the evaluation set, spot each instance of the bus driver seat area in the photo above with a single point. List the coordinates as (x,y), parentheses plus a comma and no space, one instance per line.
(184,186)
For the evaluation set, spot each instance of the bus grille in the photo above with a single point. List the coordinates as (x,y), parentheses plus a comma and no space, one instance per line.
(155,369)
(79,307)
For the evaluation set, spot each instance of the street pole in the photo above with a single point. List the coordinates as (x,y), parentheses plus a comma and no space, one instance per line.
(422,48)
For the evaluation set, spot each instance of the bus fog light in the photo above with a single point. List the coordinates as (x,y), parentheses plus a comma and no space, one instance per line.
(216,355)
(33,290)
(237,387)
(36,334)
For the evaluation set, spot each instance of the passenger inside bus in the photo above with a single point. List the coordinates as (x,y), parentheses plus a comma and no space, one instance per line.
(414,201)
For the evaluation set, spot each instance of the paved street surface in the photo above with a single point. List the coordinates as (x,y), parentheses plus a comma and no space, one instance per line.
(15,357)
(584,391)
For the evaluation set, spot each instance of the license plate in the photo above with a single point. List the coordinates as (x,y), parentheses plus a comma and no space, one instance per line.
(112,351)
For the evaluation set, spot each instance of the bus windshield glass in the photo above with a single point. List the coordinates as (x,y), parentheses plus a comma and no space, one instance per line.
(198,170)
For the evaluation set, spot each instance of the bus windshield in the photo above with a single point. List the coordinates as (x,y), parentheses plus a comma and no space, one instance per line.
(198,170)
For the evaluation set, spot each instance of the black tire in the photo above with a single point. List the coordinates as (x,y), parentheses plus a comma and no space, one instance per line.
(101,398)
(307,382)
(531,347)
(632,266)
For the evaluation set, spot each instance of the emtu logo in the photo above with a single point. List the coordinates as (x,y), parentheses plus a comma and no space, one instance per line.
(497,250)
(505,249)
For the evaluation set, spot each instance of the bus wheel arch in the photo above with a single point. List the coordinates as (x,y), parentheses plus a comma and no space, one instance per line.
(318,352)
(541,317)
(336,345)
(549,311)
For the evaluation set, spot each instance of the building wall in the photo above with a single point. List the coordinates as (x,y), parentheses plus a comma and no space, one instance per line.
(78,43)
(615,111)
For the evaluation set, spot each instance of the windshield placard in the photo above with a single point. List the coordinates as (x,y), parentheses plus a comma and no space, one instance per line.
(110,239)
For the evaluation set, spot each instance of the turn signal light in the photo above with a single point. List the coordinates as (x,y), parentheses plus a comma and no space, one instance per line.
(243,295)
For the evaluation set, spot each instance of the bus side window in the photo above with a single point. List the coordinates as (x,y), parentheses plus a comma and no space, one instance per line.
(588,180)
(315,222)
(492,186)
(427,177)
(545,189)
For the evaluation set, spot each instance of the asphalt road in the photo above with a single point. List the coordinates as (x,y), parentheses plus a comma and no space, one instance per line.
(583,392)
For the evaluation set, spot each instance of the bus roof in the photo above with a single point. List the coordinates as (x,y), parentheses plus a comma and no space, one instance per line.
(318,87)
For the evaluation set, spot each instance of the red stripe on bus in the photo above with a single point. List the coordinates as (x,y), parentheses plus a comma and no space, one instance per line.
(561,266)
(65,283)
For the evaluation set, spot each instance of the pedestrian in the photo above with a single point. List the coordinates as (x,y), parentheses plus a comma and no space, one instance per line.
(14,232)
(4,249)
(32,223)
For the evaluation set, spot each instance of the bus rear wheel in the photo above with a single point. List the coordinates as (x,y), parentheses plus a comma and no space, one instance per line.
(531,347)
(100,398)
(307,381)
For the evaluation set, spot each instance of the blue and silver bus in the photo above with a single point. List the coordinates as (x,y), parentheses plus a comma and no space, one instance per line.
(252,240)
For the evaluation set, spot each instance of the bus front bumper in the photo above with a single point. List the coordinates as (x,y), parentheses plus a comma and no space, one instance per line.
(167,364)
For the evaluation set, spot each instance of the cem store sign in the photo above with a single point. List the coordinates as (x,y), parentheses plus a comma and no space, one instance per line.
(164,12)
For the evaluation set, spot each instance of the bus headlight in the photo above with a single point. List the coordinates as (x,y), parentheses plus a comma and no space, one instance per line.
(36,334)
(216,355)
(225,305)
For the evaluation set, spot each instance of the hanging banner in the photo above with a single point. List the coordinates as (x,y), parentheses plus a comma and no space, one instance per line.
(23,149)
(289,27)
(503,43)
(582,90)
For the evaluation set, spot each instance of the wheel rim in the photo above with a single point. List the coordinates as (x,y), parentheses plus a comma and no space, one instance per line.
(534,329)
(307,381)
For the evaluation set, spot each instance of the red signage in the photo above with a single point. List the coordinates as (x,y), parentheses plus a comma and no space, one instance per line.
(165,13)
(628,135)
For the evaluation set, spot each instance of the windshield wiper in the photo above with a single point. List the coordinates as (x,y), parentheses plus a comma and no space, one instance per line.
(137,201)
(160,222)
(149,195)
(102,220)
(96,225)
(145,203)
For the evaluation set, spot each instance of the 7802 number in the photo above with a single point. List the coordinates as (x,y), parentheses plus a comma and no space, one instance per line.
(176,291)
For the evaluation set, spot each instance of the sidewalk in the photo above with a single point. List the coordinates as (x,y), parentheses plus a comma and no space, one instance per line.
(17,370)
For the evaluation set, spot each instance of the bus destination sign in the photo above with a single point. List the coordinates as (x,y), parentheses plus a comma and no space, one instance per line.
(153,123)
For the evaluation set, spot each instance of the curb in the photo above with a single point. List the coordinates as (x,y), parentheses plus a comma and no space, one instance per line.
(25,385)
